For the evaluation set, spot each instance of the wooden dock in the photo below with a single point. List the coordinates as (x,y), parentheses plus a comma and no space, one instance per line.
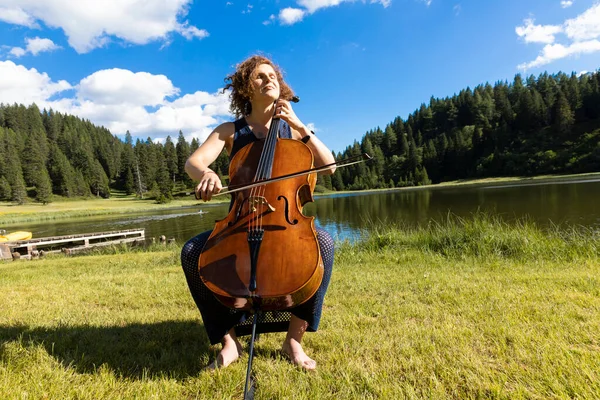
(69,244)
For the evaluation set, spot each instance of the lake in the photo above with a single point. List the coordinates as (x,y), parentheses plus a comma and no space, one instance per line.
(573,202)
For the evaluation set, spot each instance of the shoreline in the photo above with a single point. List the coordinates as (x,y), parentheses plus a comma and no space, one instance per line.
(61,210)
(492,182)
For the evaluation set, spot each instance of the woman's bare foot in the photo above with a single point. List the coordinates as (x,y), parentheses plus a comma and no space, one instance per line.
(229,353)
(293,349)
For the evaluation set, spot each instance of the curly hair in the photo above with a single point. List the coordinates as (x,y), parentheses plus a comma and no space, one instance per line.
(241,87)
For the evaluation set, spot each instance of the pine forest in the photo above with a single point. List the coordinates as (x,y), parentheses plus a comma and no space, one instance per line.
(544,125)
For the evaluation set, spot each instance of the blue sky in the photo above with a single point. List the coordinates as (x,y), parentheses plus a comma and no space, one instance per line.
(155,67)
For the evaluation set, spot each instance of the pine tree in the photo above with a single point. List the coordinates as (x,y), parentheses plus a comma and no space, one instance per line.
(43,187)
(36,131)
(183,152)
(403,145)
(413,160)
(14,119)
(452,120)
(325,181)
(81,187)
(18,192)
(194,146)
(563,116)
(427,124)
(389,142)
(33,160)
(164,182)
(61,172)
(126,174)
(12,168)
(425,177)
(99,181)
(526,118)
(503,107)
(5,191)
(129,184)
(170,155)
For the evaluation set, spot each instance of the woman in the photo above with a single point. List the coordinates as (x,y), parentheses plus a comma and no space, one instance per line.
(255,86)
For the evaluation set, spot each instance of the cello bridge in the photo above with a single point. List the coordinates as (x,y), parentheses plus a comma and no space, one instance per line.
(255,201)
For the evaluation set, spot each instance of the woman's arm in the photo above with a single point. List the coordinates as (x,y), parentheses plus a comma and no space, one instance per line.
(197,164)
(322,154)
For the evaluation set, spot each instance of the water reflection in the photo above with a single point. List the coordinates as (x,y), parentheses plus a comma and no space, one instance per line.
(346,215)
(560,203)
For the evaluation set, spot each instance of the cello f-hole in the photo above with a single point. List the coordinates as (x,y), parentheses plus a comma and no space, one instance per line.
(287,211)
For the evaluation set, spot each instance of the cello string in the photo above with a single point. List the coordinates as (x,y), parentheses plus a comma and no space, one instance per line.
(271,144)
(256,193)
(269,154)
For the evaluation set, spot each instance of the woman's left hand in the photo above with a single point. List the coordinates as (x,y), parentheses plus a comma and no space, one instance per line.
(286,113)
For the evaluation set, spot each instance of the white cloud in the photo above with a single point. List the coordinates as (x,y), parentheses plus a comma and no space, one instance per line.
(291,15)
(583,33)
(34,46)
(313,5)
(190,32)
(16,15)
(38,45)
(553,52)
(586,26)
(89,24)
(121,86)
(457,9)
(248,9)
(270,20)
(566,3)
(18,52)
(21,85)
(532,33)
(121,100)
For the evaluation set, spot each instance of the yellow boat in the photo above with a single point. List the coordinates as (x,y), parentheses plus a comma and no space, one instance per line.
(14,236)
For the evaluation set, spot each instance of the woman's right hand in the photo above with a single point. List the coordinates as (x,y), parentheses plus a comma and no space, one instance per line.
(209,184)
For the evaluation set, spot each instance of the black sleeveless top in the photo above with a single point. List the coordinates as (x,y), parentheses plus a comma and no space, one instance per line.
(243,135)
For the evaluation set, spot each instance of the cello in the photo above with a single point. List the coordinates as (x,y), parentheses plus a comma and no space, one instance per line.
(264,255)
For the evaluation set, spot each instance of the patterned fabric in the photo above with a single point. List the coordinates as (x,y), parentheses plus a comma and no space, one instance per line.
(217,318)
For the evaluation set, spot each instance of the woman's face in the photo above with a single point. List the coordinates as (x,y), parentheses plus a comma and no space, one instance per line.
(265,83)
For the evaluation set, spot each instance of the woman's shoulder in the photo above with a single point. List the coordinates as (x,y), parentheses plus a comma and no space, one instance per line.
(226,126)
(225,130)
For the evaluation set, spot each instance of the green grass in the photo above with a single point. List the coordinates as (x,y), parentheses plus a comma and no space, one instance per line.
(33,212)
(463,309)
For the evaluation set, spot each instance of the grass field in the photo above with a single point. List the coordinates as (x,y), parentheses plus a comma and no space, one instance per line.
(464,309)
(76,208)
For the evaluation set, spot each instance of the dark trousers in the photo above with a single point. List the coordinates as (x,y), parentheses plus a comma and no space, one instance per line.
(218,319)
